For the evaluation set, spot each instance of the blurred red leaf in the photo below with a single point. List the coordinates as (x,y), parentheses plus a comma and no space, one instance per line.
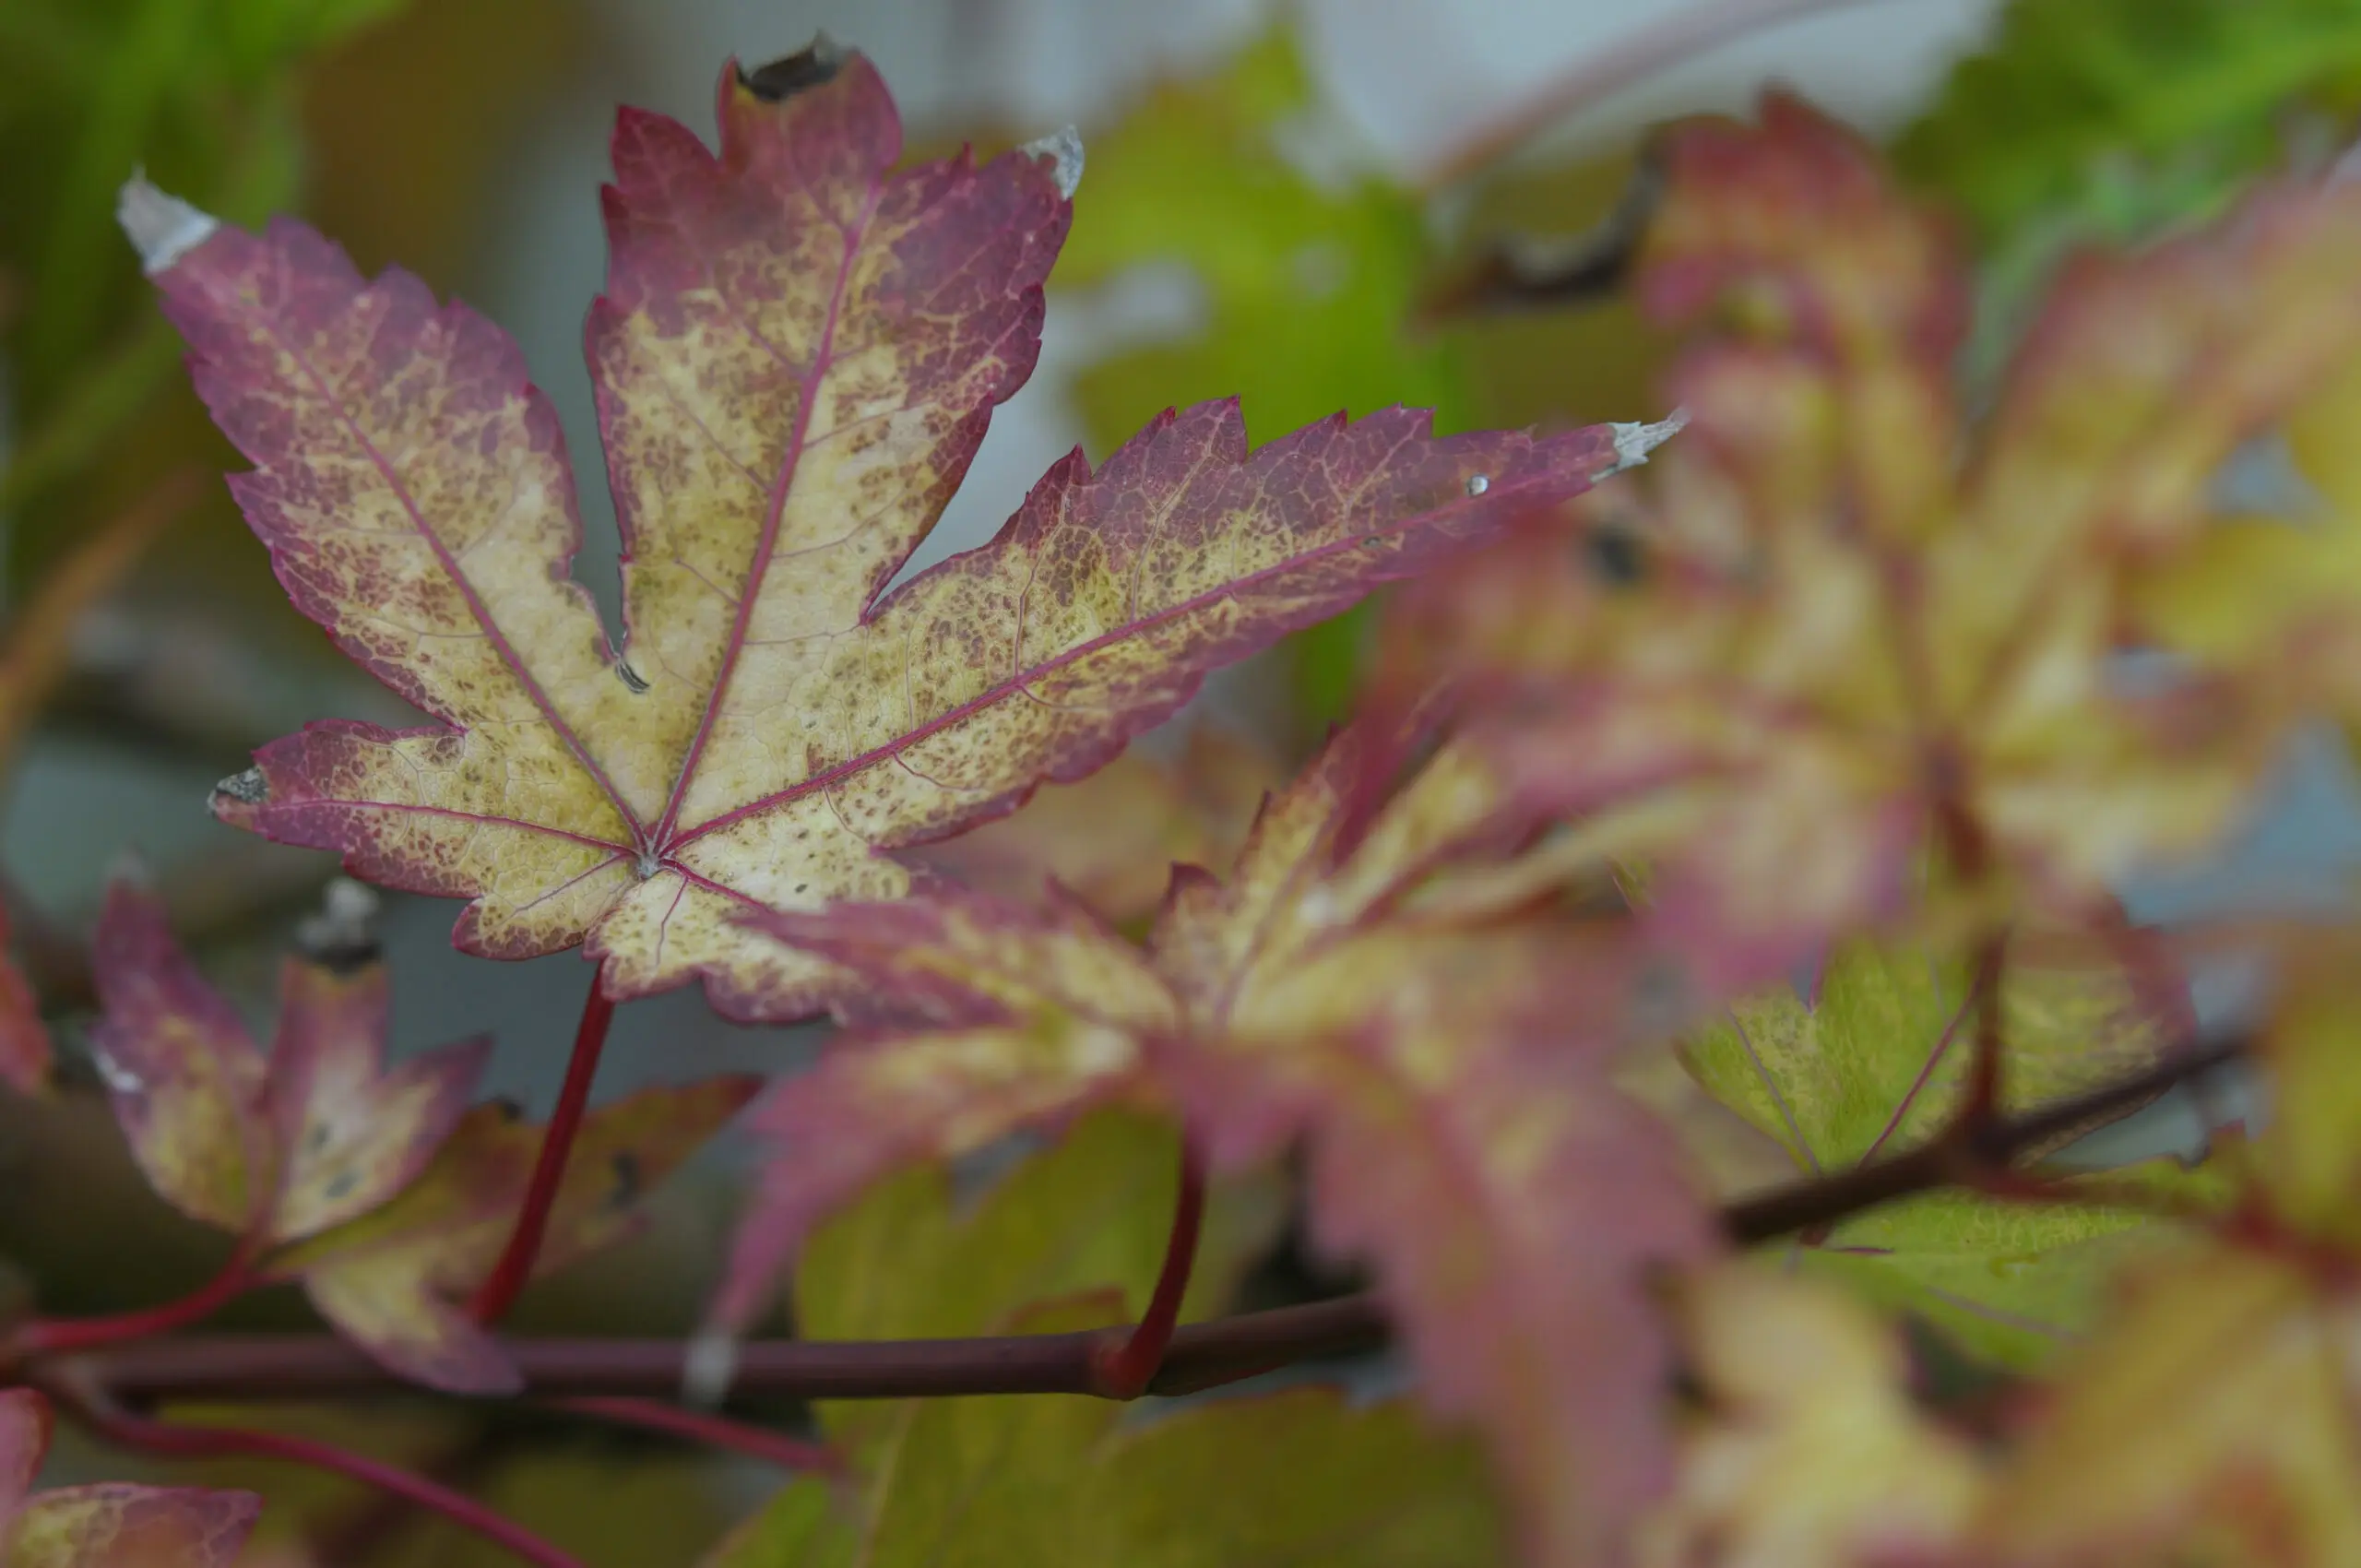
(110,1524)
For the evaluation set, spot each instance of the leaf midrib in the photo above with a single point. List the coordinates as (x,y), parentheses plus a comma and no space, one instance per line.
(823,361)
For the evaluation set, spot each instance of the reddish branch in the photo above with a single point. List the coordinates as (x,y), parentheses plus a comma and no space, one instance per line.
(500,1289)
(51,1335)
(1198,1356)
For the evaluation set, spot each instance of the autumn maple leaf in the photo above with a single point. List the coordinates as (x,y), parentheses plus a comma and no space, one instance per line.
(276,1147)
(1112,838)
(1848,632)
(1808,1449)
(107,1524)
(1451,1081)
(796,357)
(378,1188)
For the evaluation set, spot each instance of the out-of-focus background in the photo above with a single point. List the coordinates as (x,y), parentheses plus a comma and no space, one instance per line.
(1271,193)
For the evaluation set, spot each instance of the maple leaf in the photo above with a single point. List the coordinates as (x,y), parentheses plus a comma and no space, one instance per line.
(1849,632)
(276,1149)
(1808,1449)
(1110,839)
(1308,283)
(108,1523)
(2277,598)
(379,1189)
(392,1279)
(1873,1062)
(1042,1011)
(1072,1239)
(796,357)
(2211,1421)
(1461,1132)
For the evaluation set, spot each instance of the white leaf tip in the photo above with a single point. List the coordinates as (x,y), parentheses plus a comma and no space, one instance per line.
(162,228)
(1633,442)
(1063,148)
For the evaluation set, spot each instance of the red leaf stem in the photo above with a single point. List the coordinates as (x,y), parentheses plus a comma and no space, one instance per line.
(56,1335)
(1124,1371)
(699,1426)
(207,1442)
(500,1289)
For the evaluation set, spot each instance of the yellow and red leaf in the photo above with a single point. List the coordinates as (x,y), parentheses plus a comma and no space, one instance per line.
(796,357)
(1453,1082)
(351,1132)
(392,1279)
(1854,659)
(186,1078)
(106,1523)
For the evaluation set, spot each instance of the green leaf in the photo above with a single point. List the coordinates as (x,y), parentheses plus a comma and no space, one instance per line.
(2110,122)
(2008,1283)
(1077,1231)
(201,92)
(2070,92)
(1090,1213)
(1308,283)
(1875,1064)
(1061,1481)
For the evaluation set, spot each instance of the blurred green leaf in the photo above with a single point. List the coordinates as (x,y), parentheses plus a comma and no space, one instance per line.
(1050,1480)
(2071,93)
(201,93)
(2111,121)
(1090,1214)
(1058,1481)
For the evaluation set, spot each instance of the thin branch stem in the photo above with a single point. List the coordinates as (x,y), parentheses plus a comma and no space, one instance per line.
(501,1286)
(1956,1158)
(128,1431)
(1199,1355)
(362,1531)
(1597,76)
(1125,1368)
(58,1336)
(1983,1102)
(700,1426)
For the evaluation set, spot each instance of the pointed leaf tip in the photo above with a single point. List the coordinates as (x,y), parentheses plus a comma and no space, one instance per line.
(1634,442)
(247,789)
(1063,148)
(161,228)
